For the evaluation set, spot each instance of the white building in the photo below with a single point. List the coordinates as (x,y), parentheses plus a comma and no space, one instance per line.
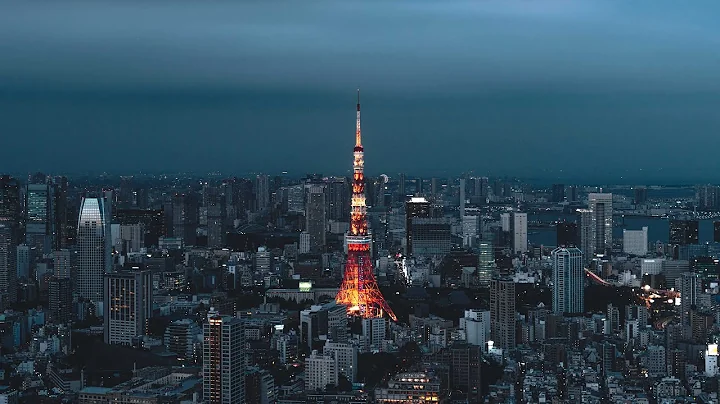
(476,324)
(320,370)
(711,360)
(651,266)
(635,242)
(346,355)
(470,230)
(373,334)
(516,224)
(304,246)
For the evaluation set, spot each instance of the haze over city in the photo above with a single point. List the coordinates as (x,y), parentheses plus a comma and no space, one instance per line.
(592,90)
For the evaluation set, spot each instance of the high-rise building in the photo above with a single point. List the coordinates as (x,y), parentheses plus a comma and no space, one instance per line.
(716,231)
(640,195)
(63,261)
(431,236)
(586,219)
(316,216)
(38,215)
(223,359)
(61,226)
(486,263)
(434,186)
(567,234)
(635,242)
(601,206)
(321,370)
(515,225)
(465,368)
(470,229)
(558,192)
(571,193)
(337,199)
(416,207)
(24,261)
(373,334)
(502,312)
(8,264)
(60,299)
(477,326)
(185,218)
(180,337)
(568,281)
(93,246)
(401,188)
(346,355)
(262,192)
(689,285)
(215,226)
(683,232)
(463,197)
(128,305)
(708,197)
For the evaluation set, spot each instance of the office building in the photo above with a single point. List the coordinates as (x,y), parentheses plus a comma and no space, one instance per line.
(567,234)
(568,281)
(416,207)
(93,246)
(25,260)
(463,197)
(346,356)
(689,285)
(223,359)
(321,370)
(63,261)
(373,334)
(38,215)
(502,312)
(8,263)
(558,193)
(410,388)
(471,228)
(716,231)
(60,299)
(181,337)
(486,263)
(262,192)
(477,326)
(185,218)
(586,219)
(601,206)
(215,226)
(641,195)
(337,199)
(683,232)
(515,225)
(465,368)
(430,236)
(316,216)
(635,242)
(128,306)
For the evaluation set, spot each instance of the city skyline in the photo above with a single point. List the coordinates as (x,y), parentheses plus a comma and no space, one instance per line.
(272,96)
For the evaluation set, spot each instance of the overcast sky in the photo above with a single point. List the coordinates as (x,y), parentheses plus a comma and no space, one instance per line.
(538,88)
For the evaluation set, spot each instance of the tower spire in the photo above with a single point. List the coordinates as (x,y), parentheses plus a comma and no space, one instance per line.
(358,137)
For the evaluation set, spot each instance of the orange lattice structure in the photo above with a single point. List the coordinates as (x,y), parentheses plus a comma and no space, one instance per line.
(359,291)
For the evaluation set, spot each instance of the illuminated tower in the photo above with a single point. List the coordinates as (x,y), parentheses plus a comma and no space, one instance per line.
(359,291)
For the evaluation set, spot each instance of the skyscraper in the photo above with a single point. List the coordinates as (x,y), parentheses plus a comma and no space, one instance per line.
(416,207)
(486,263)
(316,216)
(463,197)
(262,192)
(93,245)
(185,218)
(128,305)
(683,232)
(568,281)
(502,312)
(60,299)
(8,264)
(38,209)
(515,223)
(558,192)
(223,359)
(601,205)
(586,219)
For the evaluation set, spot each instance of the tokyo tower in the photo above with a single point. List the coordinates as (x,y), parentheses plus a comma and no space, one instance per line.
(359,291)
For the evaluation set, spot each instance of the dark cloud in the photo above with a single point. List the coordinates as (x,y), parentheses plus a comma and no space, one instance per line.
(533,88)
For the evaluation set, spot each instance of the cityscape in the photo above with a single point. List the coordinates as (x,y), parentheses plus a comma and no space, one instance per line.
(527,210)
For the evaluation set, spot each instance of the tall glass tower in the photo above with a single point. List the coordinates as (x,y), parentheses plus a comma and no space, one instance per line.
(93,244)
(568,281)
